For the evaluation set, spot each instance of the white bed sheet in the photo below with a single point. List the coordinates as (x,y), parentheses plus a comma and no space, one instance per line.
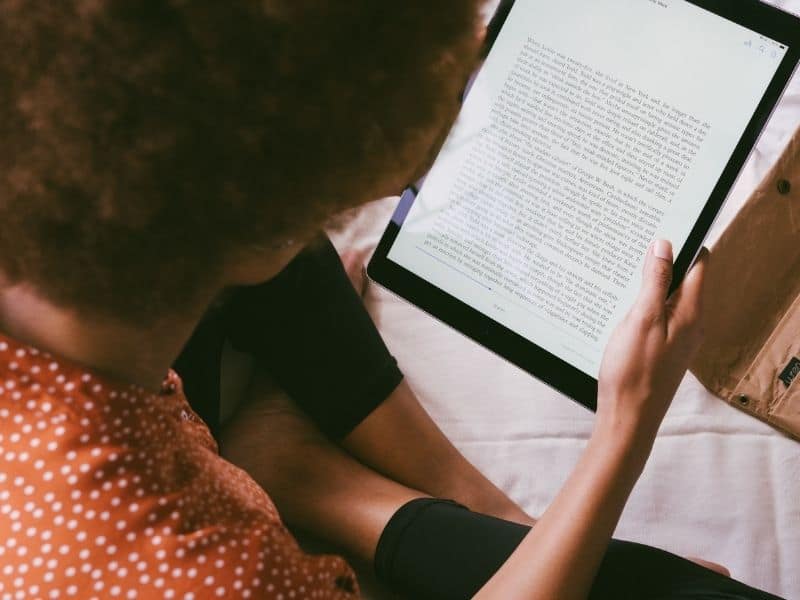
(719,485)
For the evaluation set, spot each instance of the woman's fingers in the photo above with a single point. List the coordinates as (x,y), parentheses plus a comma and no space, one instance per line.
(686,305)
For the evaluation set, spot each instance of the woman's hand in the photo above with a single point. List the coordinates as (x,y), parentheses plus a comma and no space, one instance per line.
(649,352)
(645,360)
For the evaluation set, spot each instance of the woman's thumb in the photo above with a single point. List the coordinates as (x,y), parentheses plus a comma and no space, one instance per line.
(656,277)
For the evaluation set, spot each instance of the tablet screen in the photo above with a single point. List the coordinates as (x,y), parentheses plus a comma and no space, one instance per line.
(594,127)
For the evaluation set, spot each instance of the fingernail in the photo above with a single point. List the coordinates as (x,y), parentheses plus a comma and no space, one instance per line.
(663,249)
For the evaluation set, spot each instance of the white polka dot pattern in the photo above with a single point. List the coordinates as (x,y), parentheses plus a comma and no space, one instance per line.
(108,491)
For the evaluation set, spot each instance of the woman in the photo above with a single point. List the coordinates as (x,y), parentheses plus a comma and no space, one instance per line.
(160,153)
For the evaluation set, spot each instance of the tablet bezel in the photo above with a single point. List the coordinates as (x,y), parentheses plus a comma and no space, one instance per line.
(764,19)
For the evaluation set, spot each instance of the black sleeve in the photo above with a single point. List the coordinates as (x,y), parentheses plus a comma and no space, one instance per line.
(438,550)
(310,330)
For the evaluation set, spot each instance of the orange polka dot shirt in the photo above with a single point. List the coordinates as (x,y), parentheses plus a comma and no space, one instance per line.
(109,491)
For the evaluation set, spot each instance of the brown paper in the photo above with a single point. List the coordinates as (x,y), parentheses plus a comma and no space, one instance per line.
(751,353)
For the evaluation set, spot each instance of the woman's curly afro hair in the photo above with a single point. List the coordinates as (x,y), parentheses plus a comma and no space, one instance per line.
(144,142)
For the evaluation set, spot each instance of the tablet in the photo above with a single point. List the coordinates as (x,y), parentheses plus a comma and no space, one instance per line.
(592,128)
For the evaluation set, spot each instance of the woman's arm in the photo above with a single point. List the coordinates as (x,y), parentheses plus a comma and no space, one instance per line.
(643,365)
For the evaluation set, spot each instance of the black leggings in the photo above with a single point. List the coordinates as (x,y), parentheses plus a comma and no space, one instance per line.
(439,550)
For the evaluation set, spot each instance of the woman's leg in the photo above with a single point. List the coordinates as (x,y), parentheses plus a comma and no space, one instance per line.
(634,571)
(434,549)
(424,547)
(315,485)
(309,332)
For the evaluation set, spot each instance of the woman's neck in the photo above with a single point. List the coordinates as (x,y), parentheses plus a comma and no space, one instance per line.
(133,354)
